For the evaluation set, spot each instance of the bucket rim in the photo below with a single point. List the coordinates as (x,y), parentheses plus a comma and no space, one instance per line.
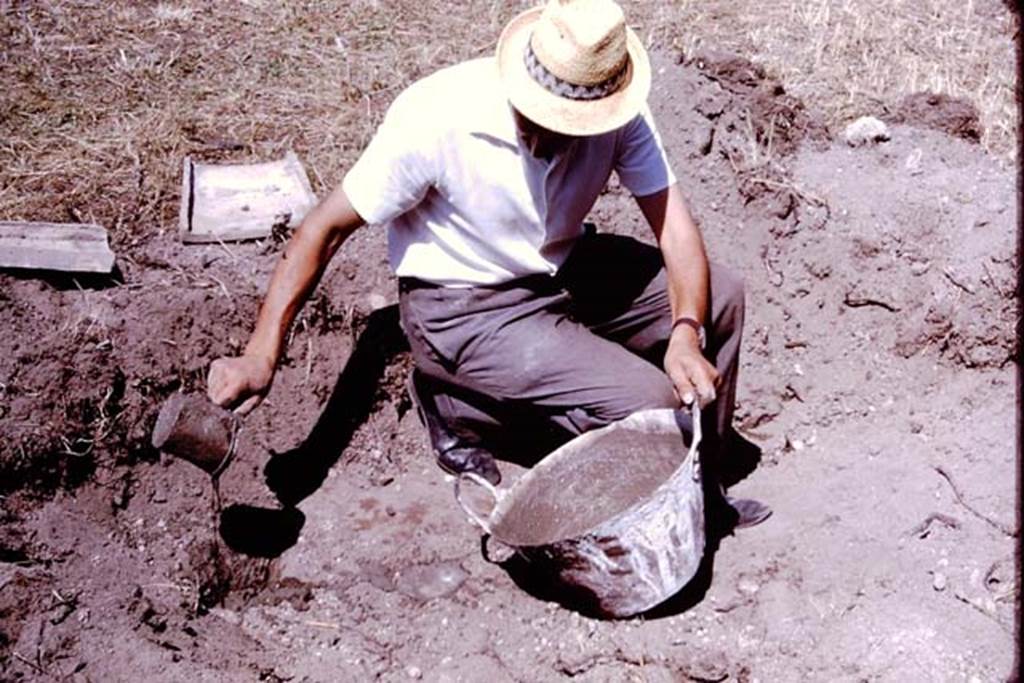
(665,421)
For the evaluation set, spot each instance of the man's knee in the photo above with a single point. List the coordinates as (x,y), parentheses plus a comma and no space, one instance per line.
(728,300)
(635,396)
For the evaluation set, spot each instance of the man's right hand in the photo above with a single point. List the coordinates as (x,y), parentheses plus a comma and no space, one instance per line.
(239,383)
(242,382)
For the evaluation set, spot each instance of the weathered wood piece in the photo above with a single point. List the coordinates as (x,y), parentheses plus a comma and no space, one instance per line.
(69,247)
(224,203)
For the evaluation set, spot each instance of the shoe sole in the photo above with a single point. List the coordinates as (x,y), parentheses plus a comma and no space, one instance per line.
(456,473)
(746,524)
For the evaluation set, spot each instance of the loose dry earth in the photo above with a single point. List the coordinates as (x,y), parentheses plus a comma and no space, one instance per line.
(878,377)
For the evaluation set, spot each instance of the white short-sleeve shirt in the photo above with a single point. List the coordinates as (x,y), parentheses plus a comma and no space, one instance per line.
(463,200)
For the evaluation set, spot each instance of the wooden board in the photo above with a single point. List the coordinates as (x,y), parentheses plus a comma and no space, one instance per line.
(55,246)
(223,203)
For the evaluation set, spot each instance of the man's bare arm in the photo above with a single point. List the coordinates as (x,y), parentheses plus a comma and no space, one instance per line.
(243,381)
(686,265)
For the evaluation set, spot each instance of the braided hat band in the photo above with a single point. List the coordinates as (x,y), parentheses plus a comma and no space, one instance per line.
(562,88)
(574,67)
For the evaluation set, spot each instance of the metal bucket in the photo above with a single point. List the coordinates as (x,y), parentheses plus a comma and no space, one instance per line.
(194,429)
(617,512)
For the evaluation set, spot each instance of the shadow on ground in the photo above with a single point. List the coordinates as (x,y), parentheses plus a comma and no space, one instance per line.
(295,474)
(541,582)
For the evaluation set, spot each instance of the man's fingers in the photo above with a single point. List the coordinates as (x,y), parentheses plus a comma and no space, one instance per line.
(705,390)
(223,385)
(695,381)
(684,389)
(246,407)
(217,390)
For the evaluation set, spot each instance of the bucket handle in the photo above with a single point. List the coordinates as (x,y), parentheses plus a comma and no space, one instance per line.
(471,513)
(695,441)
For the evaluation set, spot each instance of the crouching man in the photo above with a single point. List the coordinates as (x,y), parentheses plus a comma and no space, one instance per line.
(483,173)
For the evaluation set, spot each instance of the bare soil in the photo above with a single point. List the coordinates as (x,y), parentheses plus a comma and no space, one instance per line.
(878,378)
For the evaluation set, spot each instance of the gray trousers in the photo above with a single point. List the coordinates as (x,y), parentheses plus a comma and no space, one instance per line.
(541,359)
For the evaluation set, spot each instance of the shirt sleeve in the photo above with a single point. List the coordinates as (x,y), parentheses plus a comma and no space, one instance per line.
(396,169)
(640,159)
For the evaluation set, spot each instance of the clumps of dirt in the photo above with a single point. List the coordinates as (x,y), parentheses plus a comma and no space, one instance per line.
(82,386)
(975,334)
(54,442)
(216,573)
(952,115)
(920,243)
(755,124)
(836,228)
(779,122)
(22,592)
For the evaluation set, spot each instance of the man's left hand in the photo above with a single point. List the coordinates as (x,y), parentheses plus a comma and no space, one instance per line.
(690,372)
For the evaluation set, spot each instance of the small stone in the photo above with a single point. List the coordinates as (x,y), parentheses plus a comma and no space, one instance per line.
(376,301)
(939,581)
(864,130)
(429,581)
(919,268)
(414,672)
(747,586)
(230,616)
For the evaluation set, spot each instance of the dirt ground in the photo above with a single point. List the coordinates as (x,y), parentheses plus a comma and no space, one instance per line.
(878,377)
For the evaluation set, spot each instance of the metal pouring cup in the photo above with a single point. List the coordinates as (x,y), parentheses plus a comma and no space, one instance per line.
(192,428)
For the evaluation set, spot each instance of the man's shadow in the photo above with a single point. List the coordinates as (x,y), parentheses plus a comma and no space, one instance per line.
(295,474)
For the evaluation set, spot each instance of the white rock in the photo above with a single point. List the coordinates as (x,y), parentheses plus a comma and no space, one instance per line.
(864,130)
(939,581)
(376,301)
(414,672)
(913,162)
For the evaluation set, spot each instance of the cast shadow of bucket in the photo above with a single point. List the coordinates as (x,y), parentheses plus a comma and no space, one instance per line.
(541,583)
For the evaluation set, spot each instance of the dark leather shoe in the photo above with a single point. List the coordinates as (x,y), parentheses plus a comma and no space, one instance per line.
(454,455)
(463,459)
(726,514)
(749,512)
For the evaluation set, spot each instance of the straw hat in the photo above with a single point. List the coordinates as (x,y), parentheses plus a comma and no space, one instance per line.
(574,67)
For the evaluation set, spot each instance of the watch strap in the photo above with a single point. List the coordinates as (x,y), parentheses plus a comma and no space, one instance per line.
(690,322)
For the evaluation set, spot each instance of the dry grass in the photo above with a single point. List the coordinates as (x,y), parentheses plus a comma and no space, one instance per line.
(102,99)
(850,58)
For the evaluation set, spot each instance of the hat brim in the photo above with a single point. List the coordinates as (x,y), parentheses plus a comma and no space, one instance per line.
(560,114)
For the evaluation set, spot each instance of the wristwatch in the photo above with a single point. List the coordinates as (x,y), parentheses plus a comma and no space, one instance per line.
(697,327)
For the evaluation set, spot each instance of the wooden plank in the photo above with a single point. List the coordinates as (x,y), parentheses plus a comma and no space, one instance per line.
(242,201)
(70,247)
